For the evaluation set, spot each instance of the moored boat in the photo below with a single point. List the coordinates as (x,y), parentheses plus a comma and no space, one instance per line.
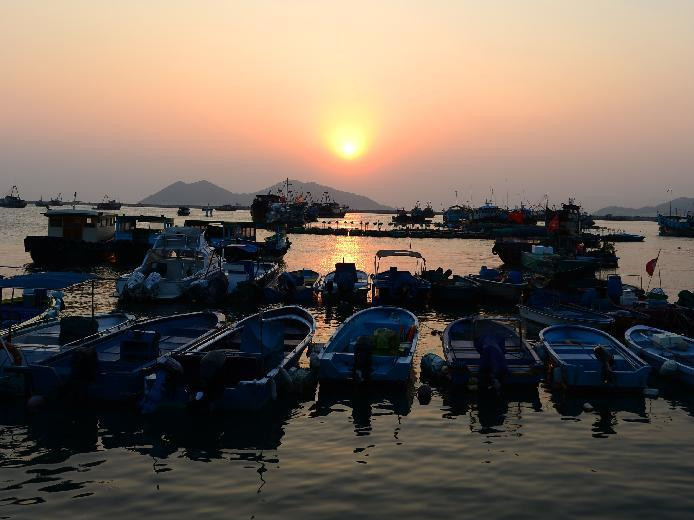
(447,289)
(13,200)
(239,368)
(672,354)
(490,352)
(372,345)
(399,287)
(501,287)
(108,204)
(245,275)
(183,211)
(112,367)
(557,314)
(135,235)
(75,237)
(346,283)
(181,262)
(583,357)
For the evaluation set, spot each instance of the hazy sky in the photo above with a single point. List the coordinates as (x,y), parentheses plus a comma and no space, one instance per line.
(399,100)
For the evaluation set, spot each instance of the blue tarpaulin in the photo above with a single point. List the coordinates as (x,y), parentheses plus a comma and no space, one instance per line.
(50,280)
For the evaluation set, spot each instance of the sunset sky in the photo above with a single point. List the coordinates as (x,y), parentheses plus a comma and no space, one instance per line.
(398,100)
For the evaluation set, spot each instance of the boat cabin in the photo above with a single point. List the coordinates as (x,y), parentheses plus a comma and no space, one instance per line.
(141,228)
(220,233)
(81,224)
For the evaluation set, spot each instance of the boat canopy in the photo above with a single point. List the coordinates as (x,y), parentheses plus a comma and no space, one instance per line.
(48,280)
(398,252)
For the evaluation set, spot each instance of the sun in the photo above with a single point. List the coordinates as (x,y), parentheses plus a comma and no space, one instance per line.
(348,144)
(349,150)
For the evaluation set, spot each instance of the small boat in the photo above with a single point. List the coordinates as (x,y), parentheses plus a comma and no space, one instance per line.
(183,211)
(239,368)
(622,236)
(560,314)
(491,350)
(497,286)
(583,357)
(295,286)
(375,344)
(13,200)
(181,262)
(57,201)
(556,265)
(74,237)
(451,289)
(108,204)
(34,343)
(345,283)
(244,274)
(113,366)
(672,354)
(399,287)
(227,207)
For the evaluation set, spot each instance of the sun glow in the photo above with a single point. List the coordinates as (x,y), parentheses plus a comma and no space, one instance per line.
(348,143)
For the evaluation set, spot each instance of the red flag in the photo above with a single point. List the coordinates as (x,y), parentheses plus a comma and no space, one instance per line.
(553,224)
(650,266)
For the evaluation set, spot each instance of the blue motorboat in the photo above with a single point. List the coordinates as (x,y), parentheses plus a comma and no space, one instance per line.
(489,352)
(112,367)
(399,287)
(583,357)
(672,354)
(375,344)
(240,368)
(498,287)
(293,287)
(35,342)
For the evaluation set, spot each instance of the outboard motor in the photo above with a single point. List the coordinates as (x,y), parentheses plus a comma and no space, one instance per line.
(345,278)
(167,372)
(363,354)
(606,359)
(493,369)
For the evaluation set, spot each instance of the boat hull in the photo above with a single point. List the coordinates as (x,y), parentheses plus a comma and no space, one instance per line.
(56,251)
(545,316)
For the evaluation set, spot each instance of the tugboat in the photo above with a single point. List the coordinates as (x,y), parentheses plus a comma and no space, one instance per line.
(75,237)
(13,200)
(106,204)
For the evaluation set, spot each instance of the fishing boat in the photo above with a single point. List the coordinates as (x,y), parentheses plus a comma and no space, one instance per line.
(56,201)
(240,368)
(326,207)
(451,289)
(399,287)
(672,354)
(497,286)
(490,352)
(33,343)
(553,264)
(228,207)
(375,344)
(183,211)
(135,235)
(13,200)
(560,314)
(108,204)
(181,262)
(676,226)
(345,283)
(454,216)
(75,237)
(583,357)
(113,366)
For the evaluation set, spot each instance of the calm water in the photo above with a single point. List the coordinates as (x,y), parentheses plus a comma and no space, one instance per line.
(356,454)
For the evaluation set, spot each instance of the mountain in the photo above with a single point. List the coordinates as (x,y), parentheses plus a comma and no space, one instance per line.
(680,206)
(204,192)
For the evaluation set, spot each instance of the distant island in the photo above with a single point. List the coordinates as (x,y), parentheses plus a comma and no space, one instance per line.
(204,192)
(680,206)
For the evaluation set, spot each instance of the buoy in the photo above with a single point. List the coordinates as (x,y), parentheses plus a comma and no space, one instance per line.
(669,368)
(587,407)
(424,394)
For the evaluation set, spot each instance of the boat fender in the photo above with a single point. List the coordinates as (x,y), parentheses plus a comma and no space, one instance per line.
(424,394)
(434,366)
(607,362)
(134,280)
(668,368)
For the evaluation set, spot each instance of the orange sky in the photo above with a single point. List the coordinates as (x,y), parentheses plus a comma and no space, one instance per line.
(527,97)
